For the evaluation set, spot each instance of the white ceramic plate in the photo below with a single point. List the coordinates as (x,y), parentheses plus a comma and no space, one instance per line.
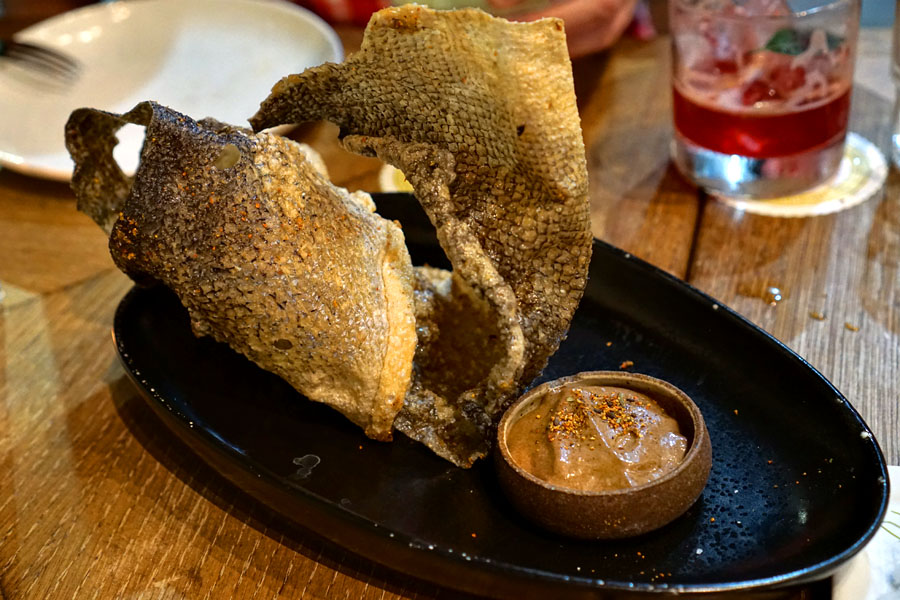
(205,58)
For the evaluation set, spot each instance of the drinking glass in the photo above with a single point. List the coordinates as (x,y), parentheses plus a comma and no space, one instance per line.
(895,73)
(761,92)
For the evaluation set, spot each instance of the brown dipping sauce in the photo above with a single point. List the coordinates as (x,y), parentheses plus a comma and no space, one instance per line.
(596,438)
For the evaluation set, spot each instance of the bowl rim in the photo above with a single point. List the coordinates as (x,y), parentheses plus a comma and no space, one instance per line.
(692,455)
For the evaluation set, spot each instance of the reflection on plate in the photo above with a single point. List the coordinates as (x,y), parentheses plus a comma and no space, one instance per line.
(215,58)
(798,484)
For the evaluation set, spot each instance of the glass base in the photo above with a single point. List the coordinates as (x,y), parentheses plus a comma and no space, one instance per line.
(755,178)
(895,135)
(895,149)
(859,177)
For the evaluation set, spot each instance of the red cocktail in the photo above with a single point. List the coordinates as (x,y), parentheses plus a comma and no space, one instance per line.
(761,92)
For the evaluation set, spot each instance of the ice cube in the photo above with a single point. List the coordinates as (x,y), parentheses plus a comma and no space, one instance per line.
(694,50)
(762,8)
(758,91)
(785,79)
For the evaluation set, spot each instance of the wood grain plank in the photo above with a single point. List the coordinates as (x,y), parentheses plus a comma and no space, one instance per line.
(120,507)
(845,266)
(46,244)
(100,500)
(638,202)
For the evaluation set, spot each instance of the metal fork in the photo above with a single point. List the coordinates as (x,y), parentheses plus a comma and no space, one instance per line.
(40,59)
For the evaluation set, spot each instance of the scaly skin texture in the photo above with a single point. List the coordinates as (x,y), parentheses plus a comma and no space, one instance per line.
(267,256)
(480,115)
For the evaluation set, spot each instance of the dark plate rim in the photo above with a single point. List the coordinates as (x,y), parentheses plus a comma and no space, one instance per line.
(489,568)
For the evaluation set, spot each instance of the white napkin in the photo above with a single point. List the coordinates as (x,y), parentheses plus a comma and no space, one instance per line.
(874,574)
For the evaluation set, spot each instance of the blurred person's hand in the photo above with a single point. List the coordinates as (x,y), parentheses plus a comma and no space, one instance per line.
(591,25)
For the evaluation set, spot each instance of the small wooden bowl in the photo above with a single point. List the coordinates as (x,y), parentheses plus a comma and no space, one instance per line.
(618,513)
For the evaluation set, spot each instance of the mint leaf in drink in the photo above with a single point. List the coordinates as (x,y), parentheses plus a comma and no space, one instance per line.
(792,42)
(834,41)
(787,41)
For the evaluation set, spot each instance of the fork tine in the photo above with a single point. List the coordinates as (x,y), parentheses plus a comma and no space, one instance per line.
(45,60)
(48,54)
(37,64)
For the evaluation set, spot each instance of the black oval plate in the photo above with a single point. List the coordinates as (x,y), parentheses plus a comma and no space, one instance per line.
(798,483)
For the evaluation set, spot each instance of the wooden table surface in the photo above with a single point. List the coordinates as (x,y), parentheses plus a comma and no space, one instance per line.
(99,500)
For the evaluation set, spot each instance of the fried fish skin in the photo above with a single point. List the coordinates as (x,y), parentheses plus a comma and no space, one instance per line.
(301,277)
(480,115)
